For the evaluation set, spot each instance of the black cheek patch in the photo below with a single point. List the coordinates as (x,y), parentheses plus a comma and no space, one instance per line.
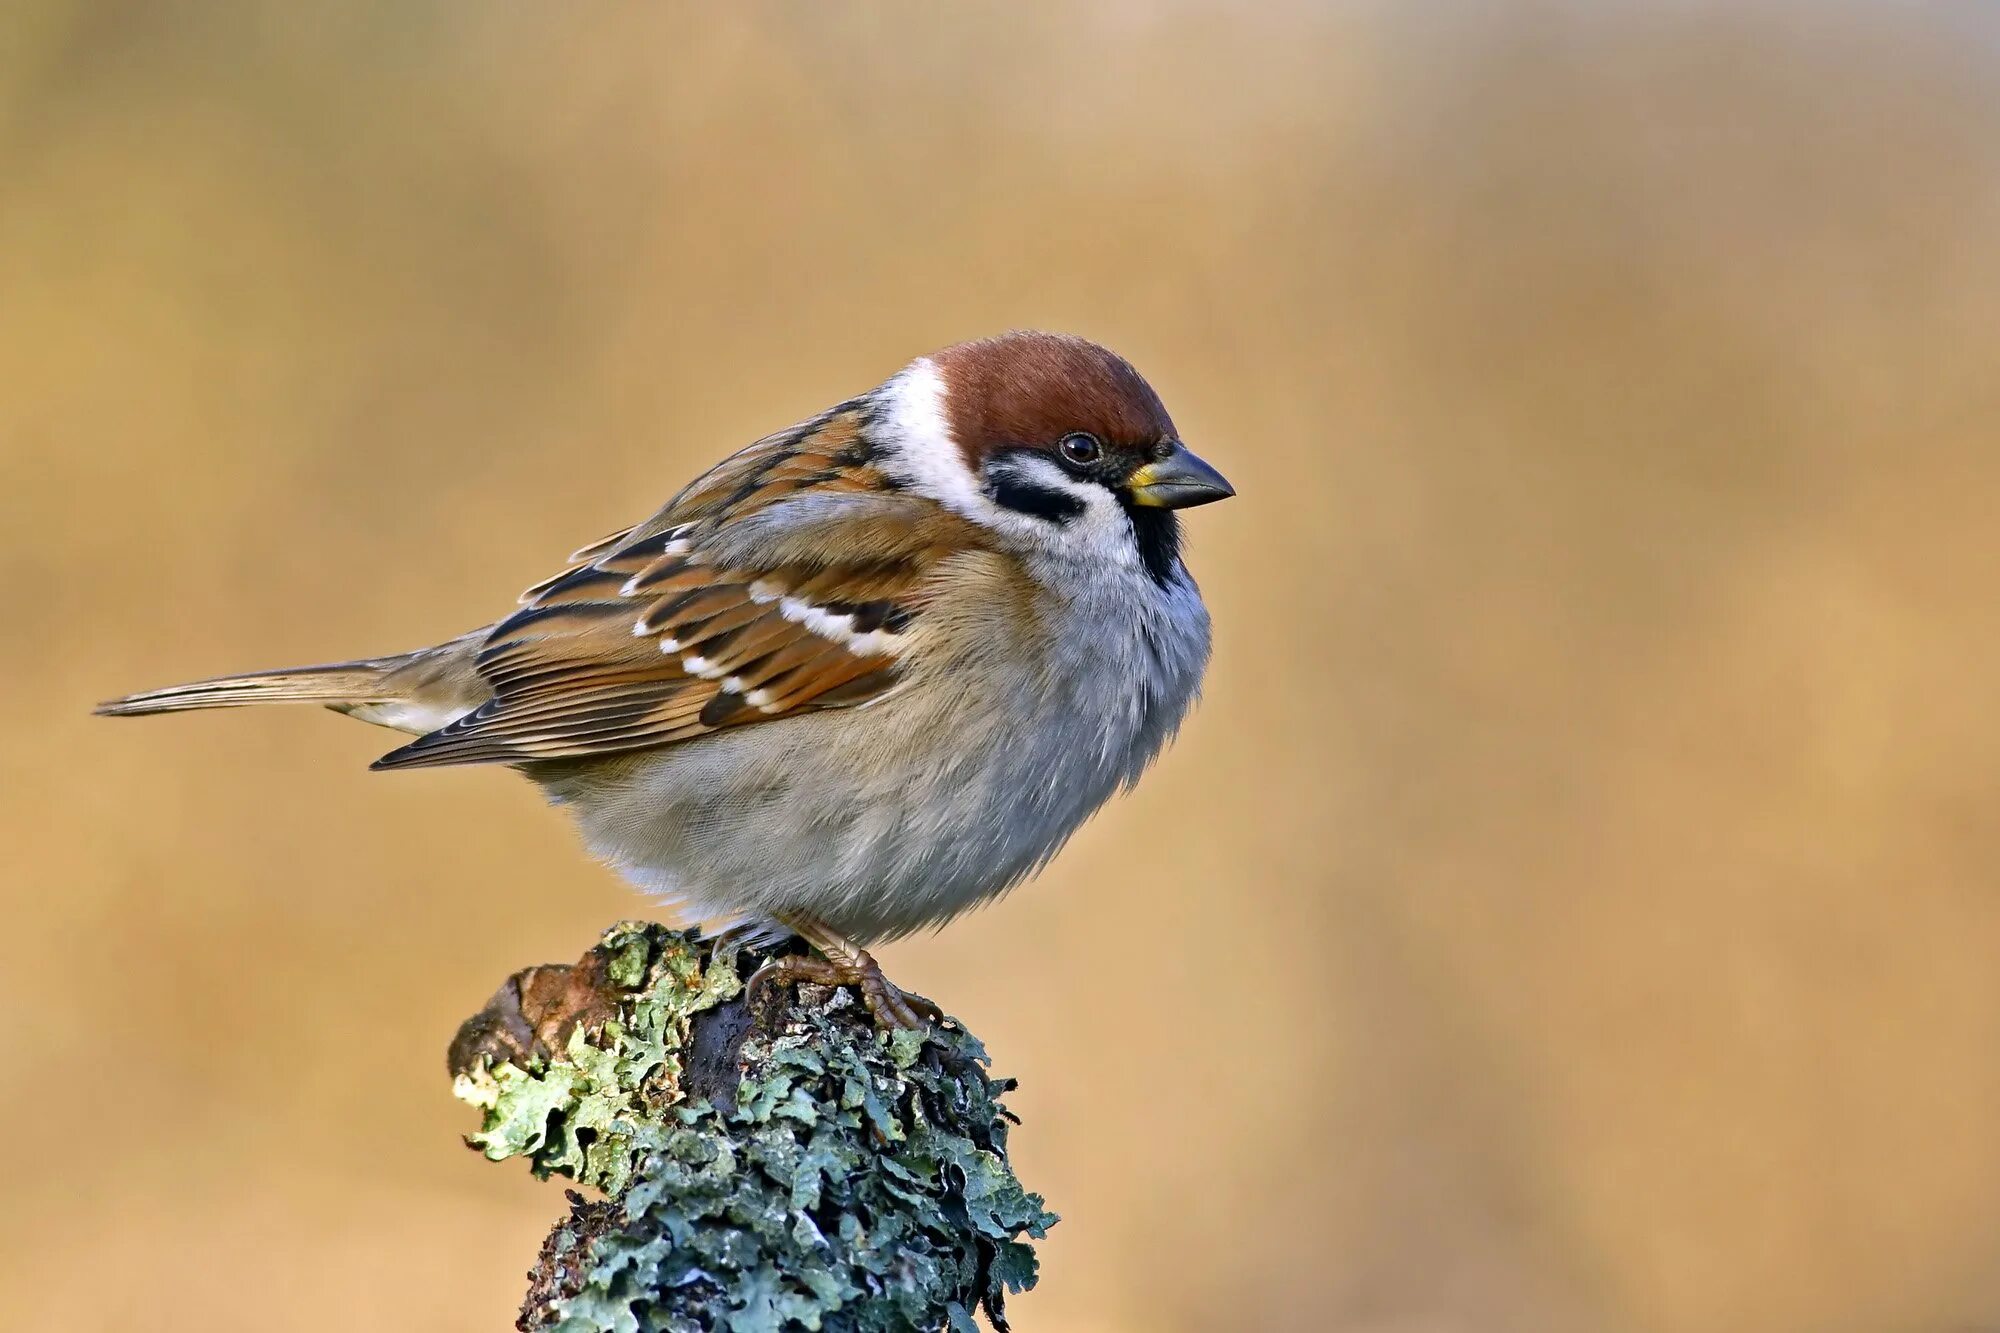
(1024,497)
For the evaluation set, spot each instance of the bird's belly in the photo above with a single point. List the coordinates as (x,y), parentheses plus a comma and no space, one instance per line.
(860,818)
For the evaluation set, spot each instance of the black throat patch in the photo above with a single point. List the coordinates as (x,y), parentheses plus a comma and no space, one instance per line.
(1158,533)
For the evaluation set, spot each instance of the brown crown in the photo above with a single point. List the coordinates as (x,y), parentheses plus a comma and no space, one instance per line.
(1033,388)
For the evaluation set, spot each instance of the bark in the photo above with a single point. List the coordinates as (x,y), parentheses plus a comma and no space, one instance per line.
(756,1172)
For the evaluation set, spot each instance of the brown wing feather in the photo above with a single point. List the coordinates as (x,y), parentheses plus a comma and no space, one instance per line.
(581,557)
(787,579)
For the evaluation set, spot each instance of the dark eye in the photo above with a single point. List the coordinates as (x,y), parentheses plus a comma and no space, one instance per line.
(1080,449)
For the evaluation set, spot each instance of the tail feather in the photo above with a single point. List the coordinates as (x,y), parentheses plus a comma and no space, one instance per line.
(411,692)
(334,683)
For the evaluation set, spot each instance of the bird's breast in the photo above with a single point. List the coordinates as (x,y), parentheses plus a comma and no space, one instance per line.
(1021,712)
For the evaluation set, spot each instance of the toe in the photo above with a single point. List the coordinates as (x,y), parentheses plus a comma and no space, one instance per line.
(892,1009)
(791,970)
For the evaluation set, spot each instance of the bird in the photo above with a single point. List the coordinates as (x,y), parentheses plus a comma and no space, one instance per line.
(860,677)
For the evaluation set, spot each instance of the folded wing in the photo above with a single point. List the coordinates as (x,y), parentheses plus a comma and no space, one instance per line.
(791,578)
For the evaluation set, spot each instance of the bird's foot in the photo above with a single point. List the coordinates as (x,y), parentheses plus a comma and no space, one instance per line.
(892,1007)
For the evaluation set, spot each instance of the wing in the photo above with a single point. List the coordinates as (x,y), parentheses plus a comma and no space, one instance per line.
(791,578)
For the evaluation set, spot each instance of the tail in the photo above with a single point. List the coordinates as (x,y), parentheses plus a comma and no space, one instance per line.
(411,692)
(334,684)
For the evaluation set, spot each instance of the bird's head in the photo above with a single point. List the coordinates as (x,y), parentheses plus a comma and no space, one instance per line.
(1051,440)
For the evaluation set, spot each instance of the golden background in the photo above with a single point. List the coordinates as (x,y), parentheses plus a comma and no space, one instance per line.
(1574,906)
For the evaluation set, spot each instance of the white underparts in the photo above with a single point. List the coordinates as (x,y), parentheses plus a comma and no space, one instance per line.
(408,715)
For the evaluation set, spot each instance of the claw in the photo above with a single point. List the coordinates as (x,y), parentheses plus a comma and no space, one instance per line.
(890,1006)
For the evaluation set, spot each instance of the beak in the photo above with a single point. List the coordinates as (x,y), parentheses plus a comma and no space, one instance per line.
(1178,481)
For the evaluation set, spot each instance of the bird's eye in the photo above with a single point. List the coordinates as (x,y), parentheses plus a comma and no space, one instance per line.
(1080,449)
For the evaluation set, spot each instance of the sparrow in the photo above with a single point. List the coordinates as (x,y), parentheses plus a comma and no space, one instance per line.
(860,677)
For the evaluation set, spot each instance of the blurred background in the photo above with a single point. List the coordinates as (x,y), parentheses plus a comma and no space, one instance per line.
(1574,906)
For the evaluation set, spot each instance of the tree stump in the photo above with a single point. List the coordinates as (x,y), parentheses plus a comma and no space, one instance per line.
(791,1168)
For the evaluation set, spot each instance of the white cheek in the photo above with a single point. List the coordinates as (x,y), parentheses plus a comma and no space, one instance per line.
(1101,532)
(923,455)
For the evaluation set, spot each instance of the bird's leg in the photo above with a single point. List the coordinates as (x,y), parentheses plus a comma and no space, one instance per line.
(843,963)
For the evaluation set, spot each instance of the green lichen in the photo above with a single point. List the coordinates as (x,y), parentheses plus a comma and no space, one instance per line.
(827,1177)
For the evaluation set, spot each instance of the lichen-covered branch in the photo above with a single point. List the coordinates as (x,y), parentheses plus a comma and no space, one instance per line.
(761,1172)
